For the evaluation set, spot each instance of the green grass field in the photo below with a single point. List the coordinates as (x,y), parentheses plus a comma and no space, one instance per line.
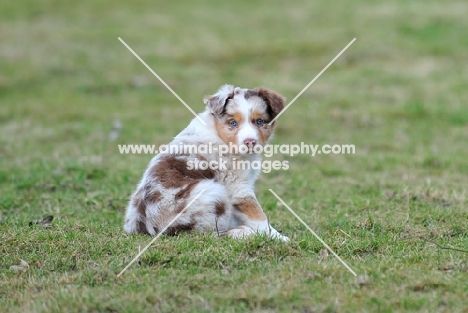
(395,211)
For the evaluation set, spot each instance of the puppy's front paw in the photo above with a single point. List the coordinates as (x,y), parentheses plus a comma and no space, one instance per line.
(276,235)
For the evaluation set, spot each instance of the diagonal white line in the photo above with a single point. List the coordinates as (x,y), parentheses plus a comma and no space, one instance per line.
(160,233)
(313,233)
(312,81)
(162,81)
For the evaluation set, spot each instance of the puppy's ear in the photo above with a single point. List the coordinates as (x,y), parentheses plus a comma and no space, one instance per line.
(274,101)
(218,101)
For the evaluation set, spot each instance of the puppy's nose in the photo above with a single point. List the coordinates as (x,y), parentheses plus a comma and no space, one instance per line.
(250,142)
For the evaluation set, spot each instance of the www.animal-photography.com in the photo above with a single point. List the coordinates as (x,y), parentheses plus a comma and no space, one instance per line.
(248,156)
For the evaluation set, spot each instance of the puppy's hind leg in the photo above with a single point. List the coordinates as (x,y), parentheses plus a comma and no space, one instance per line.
(209,212)
(135,216)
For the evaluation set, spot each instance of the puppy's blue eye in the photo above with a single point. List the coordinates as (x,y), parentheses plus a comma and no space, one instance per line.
(259,122)
(233,123)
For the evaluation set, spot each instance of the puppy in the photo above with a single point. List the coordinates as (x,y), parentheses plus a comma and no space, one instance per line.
(233,116)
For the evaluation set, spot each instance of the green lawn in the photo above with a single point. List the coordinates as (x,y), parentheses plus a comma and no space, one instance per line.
(399,94)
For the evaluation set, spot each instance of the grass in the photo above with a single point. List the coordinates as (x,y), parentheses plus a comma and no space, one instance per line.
(398,94)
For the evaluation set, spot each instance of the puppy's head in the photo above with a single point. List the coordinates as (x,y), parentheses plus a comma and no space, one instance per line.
(242,116)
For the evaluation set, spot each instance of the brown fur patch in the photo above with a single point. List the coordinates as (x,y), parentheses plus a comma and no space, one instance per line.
(185,192)
(173,173)
(152,196)
(139,203)
(259,114)
(251,208)
(264,134)
(174,230)
(220,208)
(265,130)
(238,117)
(141,228)
(274,101)
(225,131)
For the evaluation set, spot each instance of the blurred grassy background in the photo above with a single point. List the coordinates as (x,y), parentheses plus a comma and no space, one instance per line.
(398,94)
